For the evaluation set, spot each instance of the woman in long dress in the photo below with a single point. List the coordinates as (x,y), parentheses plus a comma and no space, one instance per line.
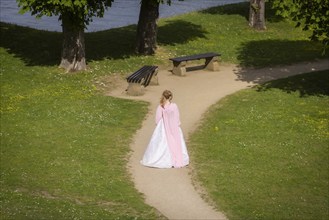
(167,147)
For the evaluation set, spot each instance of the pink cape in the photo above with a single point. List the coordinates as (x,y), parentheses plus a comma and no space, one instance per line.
(171,120)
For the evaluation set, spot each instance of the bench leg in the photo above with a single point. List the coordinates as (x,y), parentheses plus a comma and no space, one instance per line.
(212,64)
(155,80)
(179,68)
(135,89)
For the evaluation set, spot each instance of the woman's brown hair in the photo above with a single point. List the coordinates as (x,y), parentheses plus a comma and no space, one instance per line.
(166,95)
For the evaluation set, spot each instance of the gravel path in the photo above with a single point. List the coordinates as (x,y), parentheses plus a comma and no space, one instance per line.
(171,190)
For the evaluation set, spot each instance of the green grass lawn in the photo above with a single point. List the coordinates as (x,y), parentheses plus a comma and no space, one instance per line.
(225,30)
(263,153)
(65,146)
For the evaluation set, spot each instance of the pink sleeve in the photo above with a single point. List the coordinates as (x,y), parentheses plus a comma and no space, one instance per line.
(158,114)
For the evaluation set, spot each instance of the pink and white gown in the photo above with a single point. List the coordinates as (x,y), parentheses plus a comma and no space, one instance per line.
(167,147)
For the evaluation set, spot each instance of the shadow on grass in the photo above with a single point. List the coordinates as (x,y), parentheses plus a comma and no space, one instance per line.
(117,43)
(242,9)
(179,32)
(274,52)
(310,84)
(33,46)
(284,58)
(43,48)
(278,56)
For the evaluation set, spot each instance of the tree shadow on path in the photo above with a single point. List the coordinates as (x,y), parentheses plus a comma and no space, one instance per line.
(308,84)
(267,60)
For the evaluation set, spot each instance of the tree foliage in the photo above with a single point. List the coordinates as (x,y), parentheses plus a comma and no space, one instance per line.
(82,10)
(312,15)
(75,15)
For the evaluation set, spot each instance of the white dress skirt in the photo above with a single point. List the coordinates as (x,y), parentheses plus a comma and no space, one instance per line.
(157,153)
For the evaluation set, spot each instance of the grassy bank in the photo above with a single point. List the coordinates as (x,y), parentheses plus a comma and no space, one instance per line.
(225,30)
(64,146)
(263,153)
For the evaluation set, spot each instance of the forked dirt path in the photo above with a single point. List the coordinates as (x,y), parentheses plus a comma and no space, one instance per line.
(171,190)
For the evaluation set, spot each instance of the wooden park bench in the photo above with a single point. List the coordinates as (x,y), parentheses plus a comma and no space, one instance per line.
(180,62)
(137,81)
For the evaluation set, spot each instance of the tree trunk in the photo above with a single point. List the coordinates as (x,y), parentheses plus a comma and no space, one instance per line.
(257,14)
(147,27)
(73,51)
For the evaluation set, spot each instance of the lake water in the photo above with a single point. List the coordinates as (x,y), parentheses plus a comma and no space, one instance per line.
(122,13)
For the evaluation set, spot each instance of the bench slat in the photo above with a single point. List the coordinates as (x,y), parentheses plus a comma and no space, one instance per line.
(179,63)
(149,76)
(145,73)
(136,76)
(194,57)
